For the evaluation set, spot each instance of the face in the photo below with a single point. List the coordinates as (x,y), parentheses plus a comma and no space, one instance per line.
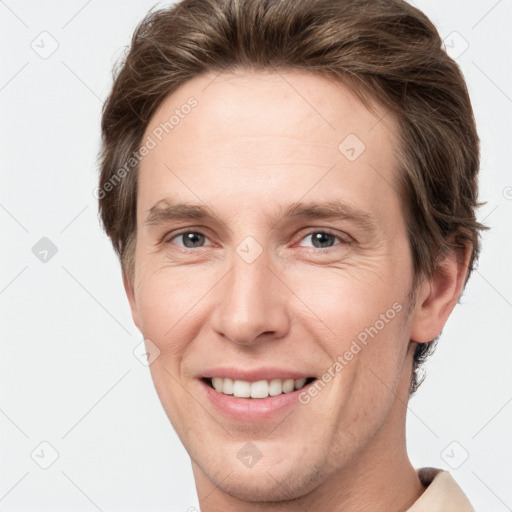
(272,259)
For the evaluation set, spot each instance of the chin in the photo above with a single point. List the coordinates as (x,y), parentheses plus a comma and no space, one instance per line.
(275,480)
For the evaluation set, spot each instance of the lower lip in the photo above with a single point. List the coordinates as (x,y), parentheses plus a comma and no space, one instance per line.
(251,409)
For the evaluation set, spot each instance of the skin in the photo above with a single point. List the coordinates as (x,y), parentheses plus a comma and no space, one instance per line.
(256,142)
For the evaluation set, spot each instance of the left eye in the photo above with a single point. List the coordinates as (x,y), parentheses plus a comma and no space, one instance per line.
(321,239)
(189,239)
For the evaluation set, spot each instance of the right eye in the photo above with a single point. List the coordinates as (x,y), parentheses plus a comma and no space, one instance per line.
(188,239)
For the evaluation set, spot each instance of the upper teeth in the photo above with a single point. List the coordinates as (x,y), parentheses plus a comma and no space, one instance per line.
(259,389)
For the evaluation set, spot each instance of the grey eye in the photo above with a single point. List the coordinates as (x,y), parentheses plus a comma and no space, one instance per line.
(190,239)
(321,239)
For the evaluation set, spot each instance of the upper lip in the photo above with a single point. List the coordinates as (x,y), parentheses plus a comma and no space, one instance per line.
(253,374)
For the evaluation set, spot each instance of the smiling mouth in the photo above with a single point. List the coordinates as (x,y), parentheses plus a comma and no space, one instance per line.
(259,389)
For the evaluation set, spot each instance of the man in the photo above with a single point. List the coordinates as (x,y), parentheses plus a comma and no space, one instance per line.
(291,188)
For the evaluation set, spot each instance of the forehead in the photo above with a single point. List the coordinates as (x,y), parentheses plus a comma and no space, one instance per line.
(302,105)
(293,132)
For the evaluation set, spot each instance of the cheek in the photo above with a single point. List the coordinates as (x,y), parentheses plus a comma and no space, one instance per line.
(372,368)
(344,301)
(358,317)
(168,301)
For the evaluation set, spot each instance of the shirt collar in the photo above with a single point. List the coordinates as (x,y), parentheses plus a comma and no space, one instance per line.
(442,493)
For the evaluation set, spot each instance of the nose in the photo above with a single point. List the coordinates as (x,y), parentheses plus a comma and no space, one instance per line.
(251,303)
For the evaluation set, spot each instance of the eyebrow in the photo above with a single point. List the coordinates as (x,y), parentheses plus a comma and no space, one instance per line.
(328,210)
(167,210)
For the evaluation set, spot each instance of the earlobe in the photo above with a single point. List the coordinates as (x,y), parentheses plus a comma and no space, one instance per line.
(130,294)
(438,295)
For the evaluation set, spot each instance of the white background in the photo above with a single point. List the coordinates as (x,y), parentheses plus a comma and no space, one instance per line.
(68,375)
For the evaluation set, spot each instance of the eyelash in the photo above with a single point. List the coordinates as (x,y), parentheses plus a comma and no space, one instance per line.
(342,241)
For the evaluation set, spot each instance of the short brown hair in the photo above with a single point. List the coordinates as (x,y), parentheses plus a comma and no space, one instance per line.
(385,50)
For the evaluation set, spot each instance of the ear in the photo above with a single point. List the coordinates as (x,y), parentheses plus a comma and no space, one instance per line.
(438,294)
(130,293)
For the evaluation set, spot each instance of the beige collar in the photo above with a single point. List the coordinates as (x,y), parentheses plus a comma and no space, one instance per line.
(442,494)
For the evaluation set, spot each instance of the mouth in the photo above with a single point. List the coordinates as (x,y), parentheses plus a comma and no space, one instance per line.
(259,389)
